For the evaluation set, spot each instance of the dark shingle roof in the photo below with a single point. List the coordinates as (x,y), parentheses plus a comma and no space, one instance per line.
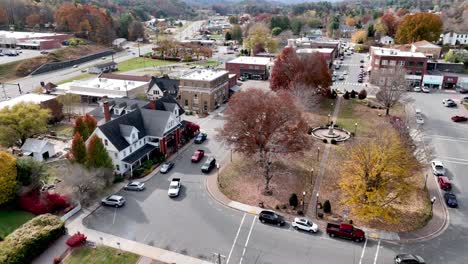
(106,64)
(167,103)
(112,129)
(167,85)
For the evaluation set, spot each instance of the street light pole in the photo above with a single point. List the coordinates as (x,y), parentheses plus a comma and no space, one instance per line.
(318,153)
(311,175)
(303,201)
(316,206)
(328,119)
(433,199)
(425,182)
(355,128)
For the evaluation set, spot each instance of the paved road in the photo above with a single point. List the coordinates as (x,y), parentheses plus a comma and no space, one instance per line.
(450,144)
(190,31)
(196,225)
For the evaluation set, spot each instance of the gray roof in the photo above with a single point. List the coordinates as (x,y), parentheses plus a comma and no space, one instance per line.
(98,112)
(34,145)
(106,64)
(126,130)
(155,121)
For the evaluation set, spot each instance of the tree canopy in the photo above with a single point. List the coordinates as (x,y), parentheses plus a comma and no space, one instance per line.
(97,156)
(260,34)
(420,26)
(7,177)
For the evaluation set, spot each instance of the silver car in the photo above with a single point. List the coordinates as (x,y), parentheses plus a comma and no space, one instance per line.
(113,200)
(167,166)
(135,186)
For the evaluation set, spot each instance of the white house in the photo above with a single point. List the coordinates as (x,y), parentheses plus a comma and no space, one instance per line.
(387,40)
(452,38)
(138,133)
(103,67)
(38,149)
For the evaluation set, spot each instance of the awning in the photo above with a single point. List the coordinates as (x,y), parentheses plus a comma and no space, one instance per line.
(235,88)
(140,153)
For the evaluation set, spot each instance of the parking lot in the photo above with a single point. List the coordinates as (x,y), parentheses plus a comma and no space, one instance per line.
(25,54)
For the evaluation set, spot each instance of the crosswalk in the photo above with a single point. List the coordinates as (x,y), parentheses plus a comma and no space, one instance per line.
(348,84)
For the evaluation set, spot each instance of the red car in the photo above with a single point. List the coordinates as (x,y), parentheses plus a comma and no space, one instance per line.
(444,183)
(198,155)
(459,118)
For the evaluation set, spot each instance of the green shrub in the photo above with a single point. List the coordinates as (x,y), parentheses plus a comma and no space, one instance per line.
(346,95)
(147,164)
(118,178)
(362,94)
(327,206)
(30,240)
(293,200)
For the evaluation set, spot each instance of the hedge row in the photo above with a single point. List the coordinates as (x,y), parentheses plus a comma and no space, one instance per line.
(30,240)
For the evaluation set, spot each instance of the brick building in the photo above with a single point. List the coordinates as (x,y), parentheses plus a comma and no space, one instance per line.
(32,40)
(415,63)
(307,43)
(203,91)
(251,67)
(327,54)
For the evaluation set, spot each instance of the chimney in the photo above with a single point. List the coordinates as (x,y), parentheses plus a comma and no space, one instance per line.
(152,104)
(105,103)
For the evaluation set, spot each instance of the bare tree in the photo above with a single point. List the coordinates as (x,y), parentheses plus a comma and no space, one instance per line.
(86,184)
(392,84)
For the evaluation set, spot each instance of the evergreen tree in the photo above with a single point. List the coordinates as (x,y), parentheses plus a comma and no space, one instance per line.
(97,156)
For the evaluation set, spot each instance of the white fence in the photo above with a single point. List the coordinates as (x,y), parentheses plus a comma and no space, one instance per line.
(72,212)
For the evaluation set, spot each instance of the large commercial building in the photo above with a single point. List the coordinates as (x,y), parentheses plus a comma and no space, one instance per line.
(252,67)
(203,91)
(415,63)
(32,40)
(307,43)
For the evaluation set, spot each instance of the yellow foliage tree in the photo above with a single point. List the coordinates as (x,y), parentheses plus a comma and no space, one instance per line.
(260,34)
(375,177)
(7,177)
(350,21)
(359,37)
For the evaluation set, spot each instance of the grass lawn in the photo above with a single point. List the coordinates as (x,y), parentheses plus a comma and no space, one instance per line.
(62,130)
(208,63)
(79,77)
(141,62)
(11,220)
(8,70)
(217,36)
(100,255)
(466,106)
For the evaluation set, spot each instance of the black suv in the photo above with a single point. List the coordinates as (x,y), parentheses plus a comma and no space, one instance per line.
(209,165)
(271,218)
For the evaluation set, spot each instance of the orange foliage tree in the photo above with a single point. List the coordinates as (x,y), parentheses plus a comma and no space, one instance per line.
(421,26)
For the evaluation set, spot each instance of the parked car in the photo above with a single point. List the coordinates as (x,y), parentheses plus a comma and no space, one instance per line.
(341,78)
(444,183)
(75,66)
(209,164)
(198,155)
(200,138)
(113,200)
(174,187)
(361,61)
(333,79)
(451,200)
(449,103)
(361,66)
(459,118)
(44,52)
(166,167)
(417,89)
(426,89)
(408,259)
(419,120)
(337,67)
(301,223)
(271,217)
(345,231)
(463,90)
(438,168)
(135,186)
(84,70)
(360,80)
(345,73)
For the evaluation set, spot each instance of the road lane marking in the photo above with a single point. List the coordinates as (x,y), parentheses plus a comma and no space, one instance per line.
(235,239)
(377,252)
(115,212)
(247,241)
(363,251)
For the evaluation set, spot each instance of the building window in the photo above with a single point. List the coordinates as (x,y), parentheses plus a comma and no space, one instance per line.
(384,62)
(117,167)
(133,135)
(186,103)
(156,92)
(392,62)
(401,63)
(125,153)
(126,166)
(131,149)
(106,142)
(116,155)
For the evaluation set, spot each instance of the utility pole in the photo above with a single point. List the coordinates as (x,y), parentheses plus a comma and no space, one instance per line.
(218,258)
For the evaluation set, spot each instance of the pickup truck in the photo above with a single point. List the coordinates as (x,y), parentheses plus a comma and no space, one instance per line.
(174,187)
(345,231)
(198,155)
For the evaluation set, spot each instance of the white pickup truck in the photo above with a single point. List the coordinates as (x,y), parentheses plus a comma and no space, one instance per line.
(174,187)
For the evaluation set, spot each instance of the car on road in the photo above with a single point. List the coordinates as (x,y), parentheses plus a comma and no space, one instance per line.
(200,138)
(426,89)
(360,80)
(361,66)
(408,259)
(166,167)
(103,58)
(44,52)
(438,168)
(337,67)
(444,183)
(345,231)
(463,90)
(198,155)
(341,77)
(75,66)
(449,103)
(113,200)
(84,70)
(451,200)
(417,89)
(271,217)
(301,223)
(419,119)
(135,186)
(174,187)
(345,73)
(209,164)
(459,118)
(361,61)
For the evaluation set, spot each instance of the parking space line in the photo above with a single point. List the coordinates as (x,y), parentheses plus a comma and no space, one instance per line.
(247,241)
(363,251)
(235,239)
(115,213)
(377,252)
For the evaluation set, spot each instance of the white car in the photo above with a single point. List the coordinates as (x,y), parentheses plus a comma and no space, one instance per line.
(426,89)
(417,89)
(345,73)
(449,103)
(438,168)
(113,200)
(304,224)
(135,186)
(174,187)
(419,120)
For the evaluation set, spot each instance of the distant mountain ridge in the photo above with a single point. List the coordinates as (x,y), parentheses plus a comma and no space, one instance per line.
(213,2)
